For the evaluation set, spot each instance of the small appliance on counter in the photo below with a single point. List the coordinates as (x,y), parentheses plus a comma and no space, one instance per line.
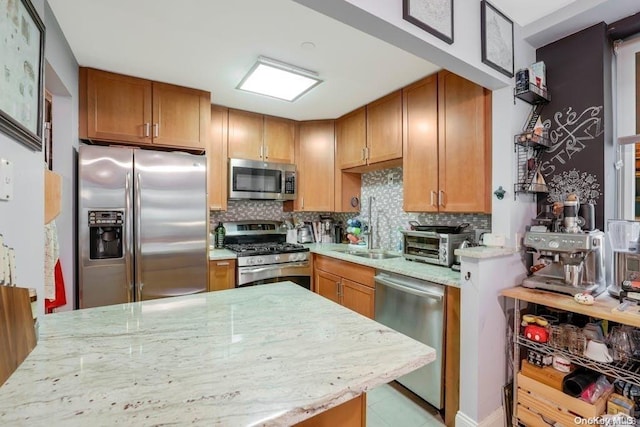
(624,238)
(434,244)
(305,234)
(570,263)
(570,250)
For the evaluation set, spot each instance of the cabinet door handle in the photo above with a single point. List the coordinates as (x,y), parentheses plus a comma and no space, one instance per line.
(364,155)
(147,129)
(222,264)
(261,151)
(156,130)
(441,198)
(301,202)
(433,196)
(266,152)
(338,289)
(367,151)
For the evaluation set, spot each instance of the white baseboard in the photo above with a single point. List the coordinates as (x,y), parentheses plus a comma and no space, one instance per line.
(495,419)
(463,420)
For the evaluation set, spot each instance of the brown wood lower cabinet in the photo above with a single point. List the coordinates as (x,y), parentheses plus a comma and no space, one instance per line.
(222,274)
(353,286)
(345,283)
(352,413)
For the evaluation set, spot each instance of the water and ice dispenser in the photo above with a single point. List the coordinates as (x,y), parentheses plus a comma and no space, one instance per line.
(106,234)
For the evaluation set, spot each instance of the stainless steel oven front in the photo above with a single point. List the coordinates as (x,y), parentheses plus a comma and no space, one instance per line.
(250,273)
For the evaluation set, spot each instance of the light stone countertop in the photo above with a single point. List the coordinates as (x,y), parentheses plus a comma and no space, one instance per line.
(263,355)
(418,270)
(485,252)
(218,254)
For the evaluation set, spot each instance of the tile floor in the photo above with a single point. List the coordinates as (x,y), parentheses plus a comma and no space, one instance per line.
(391,405)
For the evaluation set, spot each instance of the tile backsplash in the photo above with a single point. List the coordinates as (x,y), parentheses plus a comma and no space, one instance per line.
(384,186)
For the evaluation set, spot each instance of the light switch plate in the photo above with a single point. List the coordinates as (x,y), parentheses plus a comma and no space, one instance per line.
(6,179)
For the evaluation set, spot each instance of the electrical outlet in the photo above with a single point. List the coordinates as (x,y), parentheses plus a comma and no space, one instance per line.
(390,179)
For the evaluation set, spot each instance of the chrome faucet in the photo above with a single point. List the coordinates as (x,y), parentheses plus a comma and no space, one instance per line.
(370,225)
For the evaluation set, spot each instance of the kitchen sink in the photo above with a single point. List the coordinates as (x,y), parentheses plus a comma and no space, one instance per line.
(375,254)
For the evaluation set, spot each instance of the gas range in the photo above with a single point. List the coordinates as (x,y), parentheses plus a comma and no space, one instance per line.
(263,256)
(268,253)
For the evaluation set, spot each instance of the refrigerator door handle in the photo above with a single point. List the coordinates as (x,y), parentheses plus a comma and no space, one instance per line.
(128,265)
(137,240)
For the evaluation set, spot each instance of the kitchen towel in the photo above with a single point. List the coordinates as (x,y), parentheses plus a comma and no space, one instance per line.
(54,293)
(60,295)
(51,255)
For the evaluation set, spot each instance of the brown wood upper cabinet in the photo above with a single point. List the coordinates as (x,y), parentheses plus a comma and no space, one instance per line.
(119,108)
(372,134)
(351,139)
(217,179)
(315,161)
(447,145)
(257,137)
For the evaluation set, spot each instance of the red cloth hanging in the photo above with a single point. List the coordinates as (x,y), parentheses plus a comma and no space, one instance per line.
(61,297)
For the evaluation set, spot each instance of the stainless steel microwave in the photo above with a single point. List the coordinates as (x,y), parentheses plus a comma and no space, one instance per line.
(251,179)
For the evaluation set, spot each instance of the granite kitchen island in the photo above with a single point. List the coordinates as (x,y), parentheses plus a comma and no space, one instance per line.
(264,355)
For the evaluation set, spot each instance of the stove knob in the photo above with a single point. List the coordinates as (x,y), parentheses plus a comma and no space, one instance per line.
(276,258)
(249,261)
(259,260)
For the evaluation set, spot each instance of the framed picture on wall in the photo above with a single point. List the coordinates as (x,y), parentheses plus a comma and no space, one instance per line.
(497,39)
(21,72)
(433,16)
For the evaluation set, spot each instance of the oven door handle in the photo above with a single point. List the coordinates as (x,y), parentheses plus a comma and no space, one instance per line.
(244,270)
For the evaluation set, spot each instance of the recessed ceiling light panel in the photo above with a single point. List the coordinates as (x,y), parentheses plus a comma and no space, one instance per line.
(278,80)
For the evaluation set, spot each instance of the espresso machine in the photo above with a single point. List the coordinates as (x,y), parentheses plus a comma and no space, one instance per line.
(570,250)
(570,263)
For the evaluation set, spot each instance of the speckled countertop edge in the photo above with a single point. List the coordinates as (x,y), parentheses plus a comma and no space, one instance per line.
(484,252)
(417,270)
(217,254)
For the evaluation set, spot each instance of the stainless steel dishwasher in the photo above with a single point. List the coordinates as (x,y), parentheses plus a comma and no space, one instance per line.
(415,308)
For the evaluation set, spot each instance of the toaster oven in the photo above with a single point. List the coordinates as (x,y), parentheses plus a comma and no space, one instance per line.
(432,247)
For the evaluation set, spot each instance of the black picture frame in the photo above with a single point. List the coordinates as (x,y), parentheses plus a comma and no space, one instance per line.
(497,39)
(433,16)
(22,72)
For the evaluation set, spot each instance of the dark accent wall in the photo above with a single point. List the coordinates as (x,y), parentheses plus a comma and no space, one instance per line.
(579,118)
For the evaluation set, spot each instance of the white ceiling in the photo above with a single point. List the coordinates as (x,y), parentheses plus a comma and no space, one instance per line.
(525,12)
(211,44)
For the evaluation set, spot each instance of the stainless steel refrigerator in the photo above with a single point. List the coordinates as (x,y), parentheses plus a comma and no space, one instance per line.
(142,225)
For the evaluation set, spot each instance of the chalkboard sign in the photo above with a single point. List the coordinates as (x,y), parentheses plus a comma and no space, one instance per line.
(575,118)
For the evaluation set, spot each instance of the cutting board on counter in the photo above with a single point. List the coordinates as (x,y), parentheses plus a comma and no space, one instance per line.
(17,331)
(52,195)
